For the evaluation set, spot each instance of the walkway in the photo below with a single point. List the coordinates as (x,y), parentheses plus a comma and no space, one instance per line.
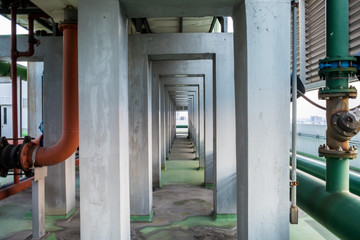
(183,207)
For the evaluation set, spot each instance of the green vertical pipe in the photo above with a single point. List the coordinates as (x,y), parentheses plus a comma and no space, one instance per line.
(337,175)
(337,28)
(337,38)
(337,47)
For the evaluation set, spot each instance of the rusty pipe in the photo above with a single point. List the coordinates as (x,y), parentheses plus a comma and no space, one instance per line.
(15,188)
(33,155)
(31,39)
(14,83)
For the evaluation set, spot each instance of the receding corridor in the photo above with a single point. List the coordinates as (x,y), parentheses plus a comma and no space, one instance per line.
(183,207)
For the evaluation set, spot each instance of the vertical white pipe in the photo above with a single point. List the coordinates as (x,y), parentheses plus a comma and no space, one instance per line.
(294,101)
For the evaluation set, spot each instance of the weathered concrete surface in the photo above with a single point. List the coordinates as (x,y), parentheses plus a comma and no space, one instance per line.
(156,132)
(35,104)
(262,71)
(103,106)
(140,133)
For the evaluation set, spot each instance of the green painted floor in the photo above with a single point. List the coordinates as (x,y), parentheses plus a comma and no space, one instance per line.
(188,214)
(182,172)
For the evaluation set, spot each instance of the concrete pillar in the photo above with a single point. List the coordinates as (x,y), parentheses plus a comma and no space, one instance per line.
(262,70)
(162,127)
(140,130)
(38,202)
(60,182)
(35,103)
(103,106)
(156,130)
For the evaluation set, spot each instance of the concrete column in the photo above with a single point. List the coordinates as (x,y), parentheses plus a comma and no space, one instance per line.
(162,127)
(140,129)
(262,70)
(38,203)
(35,104)
(156,129)
(103,106)
(60,183)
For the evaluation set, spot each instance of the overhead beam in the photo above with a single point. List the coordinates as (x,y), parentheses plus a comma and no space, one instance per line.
(44,23)
(22,11)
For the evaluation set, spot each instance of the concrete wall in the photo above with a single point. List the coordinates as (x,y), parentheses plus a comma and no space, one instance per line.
(104,136)
(262,70)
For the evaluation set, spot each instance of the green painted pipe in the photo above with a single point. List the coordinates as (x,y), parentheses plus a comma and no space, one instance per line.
(5,70)
(337,50)
(337,39)
(318,169)
(337,28)
(339,212)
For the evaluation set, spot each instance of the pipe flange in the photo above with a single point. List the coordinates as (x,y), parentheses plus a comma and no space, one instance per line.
(26,157)
(326,93)
(325,151)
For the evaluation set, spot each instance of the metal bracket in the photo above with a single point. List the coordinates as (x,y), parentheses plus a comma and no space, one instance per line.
(294,183)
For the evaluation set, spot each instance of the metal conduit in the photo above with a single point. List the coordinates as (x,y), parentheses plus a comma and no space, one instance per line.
(294,209)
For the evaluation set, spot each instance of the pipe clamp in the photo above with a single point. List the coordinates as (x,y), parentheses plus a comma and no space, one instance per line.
(34,156)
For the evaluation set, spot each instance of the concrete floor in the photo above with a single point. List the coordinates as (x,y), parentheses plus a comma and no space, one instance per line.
(182,210)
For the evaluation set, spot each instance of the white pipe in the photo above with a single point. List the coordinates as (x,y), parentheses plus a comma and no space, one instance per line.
(294,107)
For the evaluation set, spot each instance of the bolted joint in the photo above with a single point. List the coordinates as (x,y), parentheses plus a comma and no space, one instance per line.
(10,156)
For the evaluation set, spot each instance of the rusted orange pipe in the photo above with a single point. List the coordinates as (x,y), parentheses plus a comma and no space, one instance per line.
(69,141)
(13,189)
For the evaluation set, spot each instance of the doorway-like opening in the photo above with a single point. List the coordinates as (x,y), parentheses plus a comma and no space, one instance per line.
(182,122)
